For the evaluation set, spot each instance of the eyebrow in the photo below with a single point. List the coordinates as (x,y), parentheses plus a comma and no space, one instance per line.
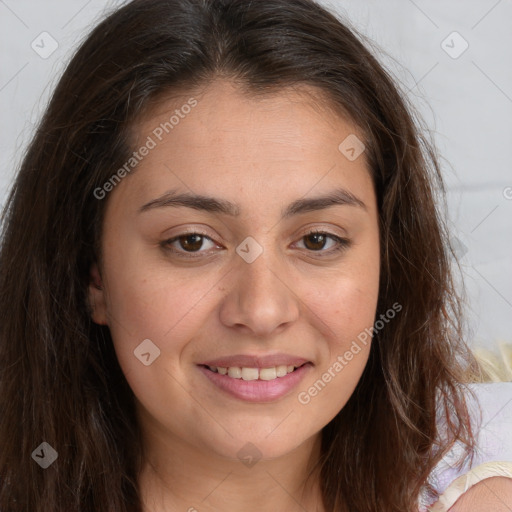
(172,198)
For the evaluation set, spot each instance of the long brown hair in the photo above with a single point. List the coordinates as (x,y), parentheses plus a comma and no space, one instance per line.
(60,381)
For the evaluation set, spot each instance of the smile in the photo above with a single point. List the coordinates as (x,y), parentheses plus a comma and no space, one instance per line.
(253,384)
(235,372)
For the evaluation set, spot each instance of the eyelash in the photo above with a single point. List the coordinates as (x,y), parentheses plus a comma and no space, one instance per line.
(342,244)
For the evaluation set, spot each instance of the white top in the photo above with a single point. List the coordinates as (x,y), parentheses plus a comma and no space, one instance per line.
(493,455)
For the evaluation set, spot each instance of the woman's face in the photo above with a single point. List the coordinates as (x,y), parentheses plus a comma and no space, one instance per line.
(208,258)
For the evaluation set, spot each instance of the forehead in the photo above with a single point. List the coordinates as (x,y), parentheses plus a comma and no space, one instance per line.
(222,138)
(226,113)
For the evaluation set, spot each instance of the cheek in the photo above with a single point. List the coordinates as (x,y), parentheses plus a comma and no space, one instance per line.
(168,311)
(346,300)
(345,310)
(348,318)
(145,303)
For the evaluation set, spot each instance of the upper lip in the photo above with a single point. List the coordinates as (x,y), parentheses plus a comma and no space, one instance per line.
(256,361)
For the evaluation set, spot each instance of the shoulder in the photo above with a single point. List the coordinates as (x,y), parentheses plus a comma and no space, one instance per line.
(490,494)
(485,485)
(464,485)
(490,407)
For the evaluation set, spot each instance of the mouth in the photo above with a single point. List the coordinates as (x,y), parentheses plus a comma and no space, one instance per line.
(254,373)
(253,384)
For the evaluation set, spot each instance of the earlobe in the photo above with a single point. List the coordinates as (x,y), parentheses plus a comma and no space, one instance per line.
(97,297)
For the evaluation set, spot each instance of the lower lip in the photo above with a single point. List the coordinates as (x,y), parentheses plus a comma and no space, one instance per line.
(258,390)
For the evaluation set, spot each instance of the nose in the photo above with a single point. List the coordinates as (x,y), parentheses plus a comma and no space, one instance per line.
(261,299)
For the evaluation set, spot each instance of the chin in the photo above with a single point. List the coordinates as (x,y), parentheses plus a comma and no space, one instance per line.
(249,448)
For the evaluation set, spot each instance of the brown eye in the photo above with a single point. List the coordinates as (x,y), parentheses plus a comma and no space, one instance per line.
(188,244)
(324,243)
(315,241)
(191,243)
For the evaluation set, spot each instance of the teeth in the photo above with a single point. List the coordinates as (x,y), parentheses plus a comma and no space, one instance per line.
(250,373)
(268,373)
(281,370)
(236,372)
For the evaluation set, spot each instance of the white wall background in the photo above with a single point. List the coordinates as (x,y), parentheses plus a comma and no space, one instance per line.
(465,97)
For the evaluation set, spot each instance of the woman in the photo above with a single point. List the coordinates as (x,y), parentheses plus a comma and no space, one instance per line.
(224,277)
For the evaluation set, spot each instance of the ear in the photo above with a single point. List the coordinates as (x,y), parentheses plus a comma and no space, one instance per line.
(97,297)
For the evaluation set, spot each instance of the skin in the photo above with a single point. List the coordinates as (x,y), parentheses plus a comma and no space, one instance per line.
(490,494)
(262,154)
